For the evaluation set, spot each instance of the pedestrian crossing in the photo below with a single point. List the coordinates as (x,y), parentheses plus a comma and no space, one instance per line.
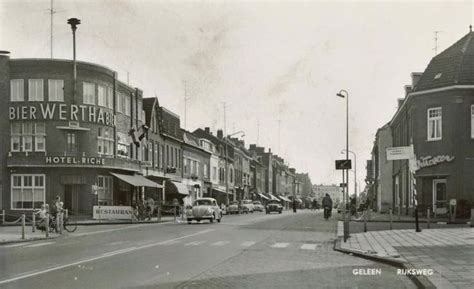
(248,244)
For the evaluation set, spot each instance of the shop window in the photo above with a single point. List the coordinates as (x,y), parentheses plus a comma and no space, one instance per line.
(435,123)
(27,191)
(56,90)
(105,141)
(104,190)
(17,89)
(35,90)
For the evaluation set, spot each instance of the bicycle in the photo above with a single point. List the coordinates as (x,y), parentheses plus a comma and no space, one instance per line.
(70,226)
(327,212)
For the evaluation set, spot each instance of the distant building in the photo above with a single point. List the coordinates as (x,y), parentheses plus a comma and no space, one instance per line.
(334,191)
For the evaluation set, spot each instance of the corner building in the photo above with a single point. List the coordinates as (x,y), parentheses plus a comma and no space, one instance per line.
(75,145)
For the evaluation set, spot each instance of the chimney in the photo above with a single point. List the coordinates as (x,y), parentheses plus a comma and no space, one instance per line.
(408,89)
(220,133)
(253,147)
(415,77)
(269,150)
(207,130)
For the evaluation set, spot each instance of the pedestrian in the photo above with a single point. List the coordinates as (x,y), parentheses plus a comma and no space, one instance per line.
(327,205)
(150,205)
(294,205)
(41,224)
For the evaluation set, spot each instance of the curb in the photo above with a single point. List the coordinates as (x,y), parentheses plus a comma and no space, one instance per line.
(2,243)
(79,223)
(420,281)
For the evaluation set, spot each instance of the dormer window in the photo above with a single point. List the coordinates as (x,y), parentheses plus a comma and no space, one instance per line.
(438,76)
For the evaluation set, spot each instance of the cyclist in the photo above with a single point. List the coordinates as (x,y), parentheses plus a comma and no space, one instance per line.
(327,205)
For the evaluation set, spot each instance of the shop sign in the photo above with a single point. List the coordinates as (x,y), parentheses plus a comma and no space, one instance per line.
(54,111)
(400,153)
(112,212)
(429,161)
(96,161)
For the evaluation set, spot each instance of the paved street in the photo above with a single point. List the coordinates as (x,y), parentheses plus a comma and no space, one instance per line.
(246,251)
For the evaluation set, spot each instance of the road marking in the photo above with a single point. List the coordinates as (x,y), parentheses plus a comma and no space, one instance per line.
(103,256)
(220,243)
(106,231)
(309,246)
(247,244)
(280,245)
(195,243)
(39,244)
(117,243)
(17,245)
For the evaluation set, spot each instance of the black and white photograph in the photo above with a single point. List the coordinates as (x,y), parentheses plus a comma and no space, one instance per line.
(236,144)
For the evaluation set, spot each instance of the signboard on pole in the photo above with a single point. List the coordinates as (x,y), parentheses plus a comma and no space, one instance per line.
(343,164)
(112,212)
(400,153)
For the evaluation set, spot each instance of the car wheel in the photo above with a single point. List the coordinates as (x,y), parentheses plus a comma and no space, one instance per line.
(279,212)
(211,220)
(189,221)
(220,219)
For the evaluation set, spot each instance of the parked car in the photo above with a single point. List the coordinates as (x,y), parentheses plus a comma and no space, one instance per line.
(233,208)
(257,206)
(273,206)
(204,209)
(247,206)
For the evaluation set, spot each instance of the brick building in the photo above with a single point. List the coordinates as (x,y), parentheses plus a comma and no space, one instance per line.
(75,138)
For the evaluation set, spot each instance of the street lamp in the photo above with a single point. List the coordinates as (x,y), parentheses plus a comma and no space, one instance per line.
(346,221)
(74,22)
(227,164)
(355,172)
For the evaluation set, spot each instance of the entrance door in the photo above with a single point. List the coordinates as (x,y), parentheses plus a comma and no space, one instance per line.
(71,198)
(439,195)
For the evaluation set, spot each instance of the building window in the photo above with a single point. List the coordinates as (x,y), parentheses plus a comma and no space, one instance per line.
(122,145)
(110,98)
(27,191)
(17,89)
(105,141)
(472,121)
(88,94)
(102,96)
(156,156)
(435,123)
(35,90)
(71,142)
(123,104)
(24,135)
(214,173)
(105,190)
(56,90)
(127,107)
(205,174)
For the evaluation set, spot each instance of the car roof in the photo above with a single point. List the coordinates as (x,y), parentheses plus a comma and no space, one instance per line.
(206,199)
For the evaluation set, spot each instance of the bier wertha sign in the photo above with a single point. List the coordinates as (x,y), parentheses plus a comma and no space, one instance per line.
(55,111)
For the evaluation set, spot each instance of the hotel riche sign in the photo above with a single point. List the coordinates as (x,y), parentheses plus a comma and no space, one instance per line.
(56,111)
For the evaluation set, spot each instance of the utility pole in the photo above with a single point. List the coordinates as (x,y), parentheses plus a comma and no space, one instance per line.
(186,102)
(226,162)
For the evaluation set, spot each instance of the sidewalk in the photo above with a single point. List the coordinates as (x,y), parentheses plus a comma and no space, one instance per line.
(448,252)
(12,233)
(378,217)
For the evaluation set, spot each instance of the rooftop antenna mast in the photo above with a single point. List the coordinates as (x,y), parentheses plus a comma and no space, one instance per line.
(185,102)
(258,130)
(51,12)
(436,41)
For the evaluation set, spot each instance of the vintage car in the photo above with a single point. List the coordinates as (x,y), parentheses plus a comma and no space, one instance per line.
(257,206)
(247,206)
(233,208)
(273,206)
(204,209)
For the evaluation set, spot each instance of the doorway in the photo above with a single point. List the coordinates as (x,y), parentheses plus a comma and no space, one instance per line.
(71,198)
(439,195)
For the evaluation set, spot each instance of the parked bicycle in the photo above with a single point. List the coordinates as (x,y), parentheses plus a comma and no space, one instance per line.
(68,225)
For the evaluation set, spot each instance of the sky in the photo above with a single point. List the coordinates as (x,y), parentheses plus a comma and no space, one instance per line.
(277,65)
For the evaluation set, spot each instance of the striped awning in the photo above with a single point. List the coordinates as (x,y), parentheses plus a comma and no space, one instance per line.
(137,180)
(273,197)
(263,196)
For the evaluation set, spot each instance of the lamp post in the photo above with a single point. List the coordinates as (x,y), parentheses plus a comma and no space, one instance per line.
(344,94)
(355,173)
(227,165)
(74,22)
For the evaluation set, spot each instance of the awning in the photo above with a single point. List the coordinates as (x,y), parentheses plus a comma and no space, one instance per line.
(263,196)
(137,180)
(219,191)
(181,188)
(273,197)
(284,198)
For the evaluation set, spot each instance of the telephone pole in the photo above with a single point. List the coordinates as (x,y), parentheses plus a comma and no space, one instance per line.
(436,41)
